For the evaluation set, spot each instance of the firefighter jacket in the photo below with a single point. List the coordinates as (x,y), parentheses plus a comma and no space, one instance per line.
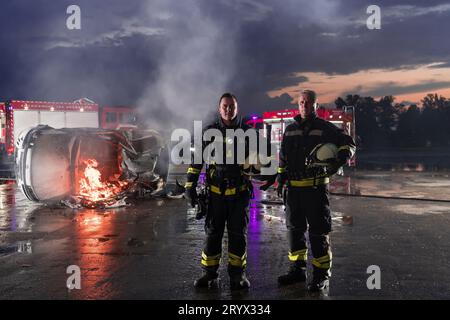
(224,172)
(299,139)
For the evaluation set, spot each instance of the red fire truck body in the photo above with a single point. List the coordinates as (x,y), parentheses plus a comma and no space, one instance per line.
(18,115)
(2,124)
(275,122)
(118,117)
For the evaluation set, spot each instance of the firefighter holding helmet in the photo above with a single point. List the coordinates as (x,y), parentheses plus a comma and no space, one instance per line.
(306,174)
(229,191)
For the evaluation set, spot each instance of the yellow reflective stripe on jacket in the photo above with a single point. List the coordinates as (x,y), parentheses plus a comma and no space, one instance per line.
(281,170)
(323,262)
(193,170)
(209,261)
(188,184)
(228,192)
(309,182)
(299,255)
(237,261)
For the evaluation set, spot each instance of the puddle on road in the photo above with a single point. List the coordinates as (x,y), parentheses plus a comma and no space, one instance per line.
(15,210)
(271,209)
(399,166)
(267,207)
(430,184)
(422,209)
(23,247)
(341,219)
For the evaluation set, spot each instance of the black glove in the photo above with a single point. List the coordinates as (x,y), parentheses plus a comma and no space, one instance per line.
(191,195)
(334,167)
(281,180)
(280,189)
(268,183)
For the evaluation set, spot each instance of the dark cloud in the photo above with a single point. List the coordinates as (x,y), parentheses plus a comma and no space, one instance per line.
(440,65)
(392,88)
(175,58)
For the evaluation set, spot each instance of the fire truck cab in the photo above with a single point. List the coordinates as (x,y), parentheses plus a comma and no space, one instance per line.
(2,126)
(120,117)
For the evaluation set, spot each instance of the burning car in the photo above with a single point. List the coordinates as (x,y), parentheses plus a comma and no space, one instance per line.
(89,167)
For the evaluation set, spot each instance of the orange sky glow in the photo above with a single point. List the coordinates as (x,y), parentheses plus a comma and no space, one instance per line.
(329,87)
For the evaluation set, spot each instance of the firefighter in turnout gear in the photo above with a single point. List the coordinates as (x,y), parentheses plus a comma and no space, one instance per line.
(307,203)
(229,193)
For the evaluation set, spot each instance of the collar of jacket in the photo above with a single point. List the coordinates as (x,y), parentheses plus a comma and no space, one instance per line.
(236,123)
(301,120)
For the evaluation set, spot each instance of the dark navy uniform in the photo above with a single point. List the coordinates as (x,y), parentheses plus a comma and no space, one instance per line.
(307,203)
(229,195)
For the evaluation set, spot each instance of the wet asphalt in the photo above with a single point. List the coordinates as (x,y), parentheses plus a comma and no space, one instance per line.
(151,248)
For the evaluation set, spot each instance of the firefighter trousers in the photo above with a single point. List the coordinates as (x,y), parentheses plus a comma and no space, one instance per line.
(308,208)
(231,211)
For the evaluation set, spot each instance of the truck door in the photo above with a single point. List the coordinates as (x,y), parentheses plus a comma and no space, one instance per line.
(2,129)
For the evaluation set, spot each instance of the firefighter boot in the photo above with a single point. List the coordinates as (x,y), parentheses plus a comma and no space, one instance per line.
(209,279)
(238,278)
(296,273)
(320,281)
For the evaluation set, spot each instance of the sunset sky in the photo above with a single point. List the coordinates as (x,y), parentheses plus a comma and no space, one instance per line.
(408,85)
(171,57)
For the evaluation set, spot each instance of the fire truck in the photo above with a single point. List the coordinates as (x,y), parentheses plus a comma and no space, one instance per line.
(18,115)
(117,117)
(274,123)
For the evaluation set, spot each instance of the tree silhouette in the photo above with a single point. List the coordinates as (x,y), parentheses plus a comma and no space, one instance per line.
(410,132)
(435,120)
(383,123)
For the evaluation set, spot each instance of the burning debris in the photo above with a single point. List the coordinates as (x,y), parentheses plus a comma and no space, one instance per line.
(86,167)
(94,190)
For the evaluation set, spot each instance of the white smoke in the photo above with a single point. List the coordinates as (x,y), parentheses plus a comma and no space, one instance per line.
(195,69)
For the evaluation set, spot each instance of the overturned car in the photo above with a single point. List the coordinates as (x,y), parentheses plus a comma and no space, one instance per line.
(89,167)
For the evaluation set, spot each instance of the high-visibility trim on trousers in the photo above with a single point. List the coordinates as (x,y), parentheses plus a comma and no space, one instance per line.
(323,262)
(227,192)
(193,170)
(299,255)
(237,261)
(210,261)
(281,170)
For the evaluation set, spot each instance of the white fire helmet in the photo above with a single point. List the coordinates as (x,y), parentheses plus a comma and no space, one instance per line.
(323,154)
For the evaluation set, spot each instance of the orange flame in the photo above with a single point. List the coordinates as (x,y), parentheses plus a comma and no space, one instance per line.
(93,189)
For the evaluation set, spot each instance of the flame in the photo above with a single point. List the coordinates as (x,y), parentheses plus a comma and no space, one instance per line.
(93,189)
